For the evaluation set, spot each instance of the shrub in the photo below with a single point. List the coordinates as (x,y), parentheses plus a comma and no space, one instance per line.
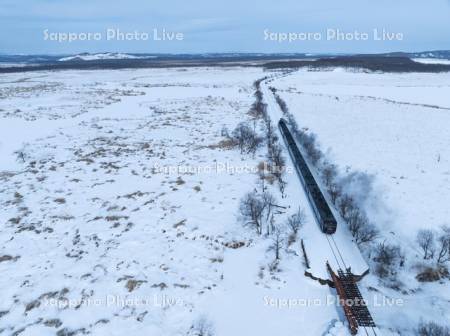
(432,329)
(388,259)
(246,138)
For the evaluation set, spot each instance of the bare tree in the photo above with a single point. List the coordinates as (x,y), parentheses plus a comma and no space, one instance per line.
(277,241)
(282,104)
(354,221)
(296,221)
(278,160)
(329,173)
(309,142)
(257,210)
(432,329)
(253,143)
(252,209)
(246,138)
(425,239)
(241,134)
(388,258)
(360,227)
(282,185)
(367,234)
(202,327)
(345,205)
(269,202)
(443,250)
(271,138)
(335,192)
(294,126)
(263,173)
(258,109)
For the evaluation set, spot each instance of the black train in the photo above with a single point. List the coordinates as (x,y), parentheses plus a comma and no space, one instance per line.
(319,205)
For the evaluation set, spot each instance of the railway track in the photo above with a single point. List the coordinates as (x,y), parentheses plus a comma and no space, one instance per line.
(358,316)
(336,253)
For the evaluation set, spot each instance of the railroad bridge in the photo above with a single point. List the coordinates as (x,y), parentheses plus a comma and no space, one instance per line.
(353,303)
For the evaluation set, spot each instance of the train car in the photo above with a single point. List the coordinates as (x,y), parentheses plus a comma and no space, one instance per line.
(321,209)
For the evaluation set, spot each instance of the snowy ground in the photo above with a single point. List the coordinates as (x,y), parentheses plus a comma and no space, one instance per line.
(95,212)
(397,128)
(431,60)
(95,220)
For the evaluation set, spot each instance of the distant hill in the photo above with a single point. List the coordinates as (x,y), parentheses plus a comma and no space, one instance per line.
(440,54)
(427,61)
(102,56)
(384,63)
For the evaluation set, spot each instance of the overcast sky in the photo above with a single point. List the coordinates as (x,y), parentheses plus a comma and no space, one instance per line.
(223,26)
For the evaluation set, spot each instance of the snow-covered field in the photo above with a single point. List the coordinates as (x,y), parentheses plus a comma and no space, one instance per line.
(89,214)
(395,127)
(119,205)
(94,215)
(431,60)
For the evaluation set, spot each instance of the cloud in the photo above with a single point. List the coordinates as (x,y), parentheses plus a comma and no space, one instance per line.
(209,25)
(232,25)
